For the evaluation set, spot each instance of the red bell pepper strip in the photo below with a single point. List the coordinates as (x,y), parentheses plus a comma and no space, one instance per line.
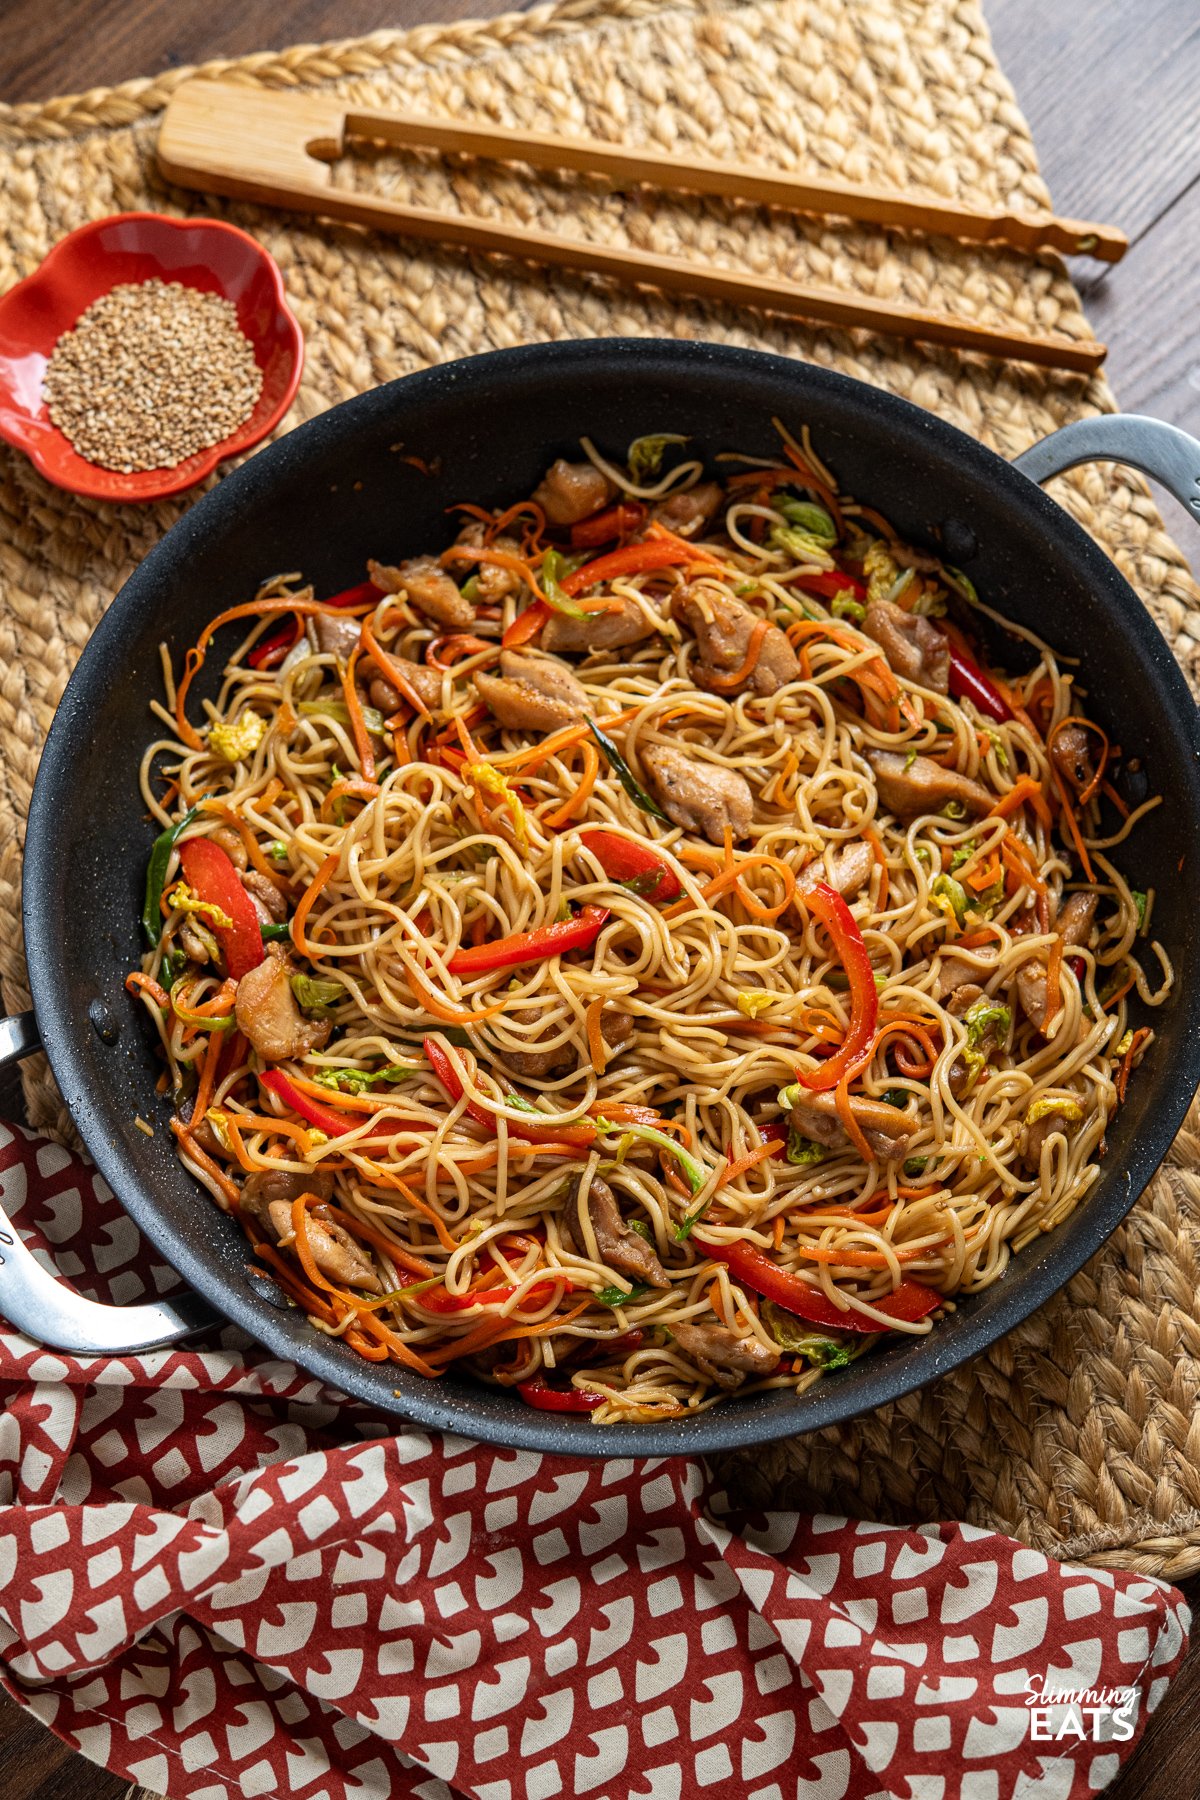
(635,559)
(968,682)
(356,596)
(635,865)
(564,1400)
(446,1070)
(526,625)
(911,1301)
(855,1051)
(211,874)
(829,583)
(333,1124)
(439,1301)
(270,651)
(578,933)
(619,521)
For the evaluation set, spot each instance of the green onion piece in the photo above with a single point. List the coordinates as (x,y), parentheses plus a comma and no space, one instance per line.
(156,872)
(815,1347)
(357,1081)
(624,773)
(915,1165)
(1140,900)
(813,520)
(645,454)
(171,968)
(554,570)
(615,1296)
(315,997)
(642,1229)
(337,709)
(898,1097)
(275,934)
(845,606)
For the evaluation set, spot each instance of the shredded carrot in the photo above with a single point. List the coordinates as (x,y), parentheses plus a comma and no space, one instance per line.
(1089,791)
(230,817)
(906,1026)
(986,875)
(577,800)
(859,1259)
(748,1161)
(824,495)
(194,660)
(534,755)
(286,1278)
(307,899)
(595,1037)
(427,996)
(1126,1070)
(137,983)
(300,1208)
(190,1150)
(779,1227)
(1068,813)
(876,842)
(725,683)
(349,789)
(1024,789)
(1054,962)
(849,1123)
(392,670)
(358,727)
(1114,1000)
(491,1332)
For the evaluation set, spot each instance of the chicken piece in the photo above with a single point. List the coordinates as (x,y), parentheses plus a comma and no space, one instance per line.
(698,795)
(1035,1135)
(532,693)
(427,683)
(722,1355)
(426,584)
(849,872)
(334,1251)
(913,646)
(954,973)
(1073,925)
(616,1028)
(569,492)
(194,946)
(333,635)
(231,843)
(267,1187)
(268,1015)
(619,1247)
(269,903)
(600,631)
(687,514)
(887,1129)
(722,628)
(1072,757)
(924,786)
(493,583)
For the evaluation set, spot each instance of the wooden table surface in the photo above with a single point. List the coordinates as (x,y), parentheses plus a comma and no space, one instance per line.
(1110,96)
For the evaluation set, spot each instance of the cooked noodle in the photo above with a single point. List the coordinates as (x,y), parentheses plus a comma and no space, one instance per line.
(507,1143)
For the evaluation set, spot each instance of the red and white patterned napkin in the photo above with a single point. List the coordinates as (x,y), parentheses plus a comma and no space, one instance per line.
(218,1578)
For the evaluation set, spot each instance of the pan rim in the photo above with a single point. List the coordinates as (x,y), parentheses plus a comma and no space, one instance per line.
(877,1380)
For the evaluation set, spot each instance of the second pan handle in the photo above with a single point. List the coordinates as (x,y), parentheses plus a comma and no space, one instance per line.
(50,1312)
(1162,451)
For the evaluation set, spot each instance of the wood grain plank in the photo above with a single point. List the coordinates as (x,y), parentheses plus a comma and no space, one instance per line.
(1110,91)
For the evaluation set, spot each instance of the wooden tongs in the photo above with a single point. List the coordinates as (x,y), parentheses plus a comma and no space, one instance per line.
(274,147)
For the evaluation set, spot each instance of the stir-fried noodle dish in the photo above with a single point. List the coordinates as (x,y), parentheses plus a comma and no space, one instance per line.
(642,951)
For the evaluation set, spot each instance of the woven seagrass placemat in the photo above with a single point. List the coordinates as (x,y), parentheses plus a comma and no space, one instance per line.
(1078,1432)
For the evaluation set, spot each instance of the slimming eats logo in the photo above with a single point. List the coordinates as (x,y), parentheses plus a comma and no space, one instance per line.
(1105,1715)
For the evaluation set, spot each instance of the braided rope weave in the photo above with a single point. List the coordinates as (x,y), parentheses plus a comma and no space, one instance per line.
(1079,1432)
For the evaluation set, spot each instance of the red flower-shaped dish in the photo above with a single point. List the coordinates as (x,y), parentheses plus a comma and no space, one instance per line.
(129,247)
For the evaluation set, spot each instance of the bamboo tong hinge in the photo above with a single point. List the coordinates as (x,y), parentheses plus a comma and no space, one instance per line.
(275,148)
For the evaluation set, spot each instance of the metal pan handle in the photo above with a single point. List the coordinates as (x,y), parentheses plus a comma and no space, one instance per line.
(46,1310)
(1159,450)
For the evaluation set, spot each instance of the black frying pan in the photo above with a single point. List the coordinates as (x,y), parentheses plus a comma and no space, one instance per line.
(339,490)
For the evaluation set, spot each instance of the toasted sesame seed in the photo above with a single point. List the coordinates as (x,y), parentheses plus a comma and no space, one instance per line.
(151,373)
